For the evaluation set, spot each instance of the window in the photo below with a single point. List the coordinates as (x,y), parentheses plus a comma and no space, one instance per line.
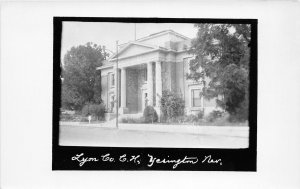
(145,74)
(112,79)
(196,97)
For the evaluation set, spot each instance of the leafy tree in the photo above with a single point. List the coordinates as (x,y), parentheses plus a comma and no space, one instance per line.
(81,81)
(222,54)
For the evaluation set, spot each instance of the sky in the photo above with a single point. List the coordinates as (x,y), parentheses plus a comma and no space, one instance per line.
(107,33)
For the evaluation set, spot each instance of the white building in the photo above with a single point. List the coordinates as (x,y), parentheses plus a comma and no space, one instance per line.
(148,66)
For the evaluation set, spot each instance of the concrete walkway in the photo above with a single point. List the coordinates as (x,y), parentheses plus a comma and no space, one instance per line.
(153,135)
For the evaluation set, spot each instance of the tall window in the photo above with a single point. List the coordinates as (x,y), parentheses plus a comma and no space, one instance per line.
(196,97)
(145,75)
(112,79)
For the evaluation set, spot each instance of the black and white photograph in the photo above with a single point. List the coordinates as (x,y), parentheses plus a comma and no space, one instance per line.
(157,84)
(149,94)
(150,85)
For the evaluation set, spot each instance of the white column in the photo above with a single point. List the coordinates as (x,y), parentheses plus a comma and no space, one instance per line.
(123,88)
(150,83)
(116,90)
(158,82)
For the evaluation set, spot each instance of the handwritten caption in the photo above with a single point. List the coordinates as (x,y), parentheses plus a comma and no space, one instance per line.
(151,160)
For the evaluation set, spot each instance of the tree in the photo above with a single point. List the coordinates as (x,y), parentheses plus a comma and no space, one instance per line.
(222,51)
(81,81)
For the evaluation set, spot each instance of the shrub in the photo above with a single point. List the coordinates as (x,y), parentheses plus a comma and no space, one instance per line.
(150,115)
(191,118)
(172,105)
(96,110)
(132,120)
(214,115)
(179,119)
(200,114)
(65,117)
(84,119)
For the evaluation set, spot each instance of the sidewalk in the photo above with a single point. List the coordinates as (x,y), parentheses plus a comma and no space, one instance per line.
(153,135)
(236,131)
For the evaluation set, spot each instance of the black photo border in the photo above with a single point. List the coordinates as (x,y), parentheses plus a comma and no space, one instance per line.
(232,159)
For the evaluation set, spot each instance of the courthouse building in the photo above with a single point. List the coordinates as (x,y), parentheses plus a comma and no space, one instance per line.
(146,67)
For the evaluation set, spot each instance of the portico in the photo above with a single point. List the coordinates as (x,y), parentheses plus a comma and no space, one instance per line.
(140,86)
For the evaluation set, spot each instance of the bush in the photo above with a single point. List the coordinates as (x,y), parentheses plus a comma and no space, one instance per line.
(179,119)
(172,105)
(200,114)
(96,110)
(84,119)
(214,115)
(66,117)
(191,118)
(150,115)
(132,120)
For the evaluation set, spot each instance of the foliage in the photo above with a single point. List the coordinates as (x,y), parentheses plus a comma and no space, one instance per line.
(241,113)
(150,115)
(172,105)
(191,118)
(97,89)
(64,116)
(200,114)
(214,115)
(96,110)
(133,120)
(236,93)
(222,51)
(179,119)
(81,82)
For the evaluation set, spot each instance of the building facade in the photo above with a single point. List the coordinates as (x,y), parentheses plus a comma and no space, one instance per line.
(148,66)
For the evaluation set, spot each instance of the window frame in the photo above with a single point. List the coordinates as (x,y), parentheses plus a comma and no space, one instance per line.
(112,80)
(193,98)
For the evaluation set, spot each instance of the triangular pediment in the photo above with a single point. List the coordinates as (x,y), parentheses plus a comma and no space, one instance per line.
(133,49)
